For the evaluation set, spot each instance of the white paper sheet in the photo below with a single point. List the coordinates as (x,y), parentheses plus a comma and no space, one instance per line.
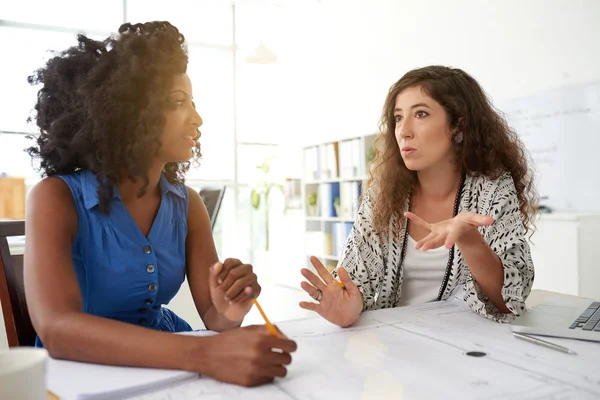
(415,352)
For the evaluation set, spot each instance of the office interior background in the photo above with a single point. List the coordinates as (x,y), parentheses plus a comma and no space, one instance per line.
(279,81)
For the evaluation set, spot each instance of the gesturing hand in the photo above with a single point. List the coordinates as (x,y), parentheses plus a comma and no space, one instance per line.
(339,304)
(450,231)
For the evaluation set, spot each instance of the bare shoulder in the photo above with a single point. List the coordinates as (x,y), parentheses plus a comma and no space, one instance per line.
(51,200)
(197,213)
(195,201)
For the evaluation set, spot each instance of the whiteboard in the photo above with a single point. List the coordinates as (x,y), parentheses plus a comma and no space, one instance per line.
(561,130)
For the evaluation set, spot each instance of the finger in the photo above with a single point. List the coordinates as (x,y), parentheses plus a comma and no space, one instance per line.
(347,281)
(310,289)
(235,274)
(239,286)
(476,219)
(434,243)
(427,238)
(307,305)
(242,298)
(450,240)
(417,220)
(278,358)
(253,290)
(312,278)
(321,270)
(213,273)
(228,264)
(281,343)
(278,371)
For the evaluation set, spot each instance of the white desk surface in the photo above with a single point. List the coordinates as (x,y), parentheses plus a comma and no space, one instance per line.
(416,352)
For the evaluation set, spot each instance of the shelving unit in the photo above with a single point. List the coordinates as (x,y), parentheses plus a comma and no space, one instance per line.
(333,178)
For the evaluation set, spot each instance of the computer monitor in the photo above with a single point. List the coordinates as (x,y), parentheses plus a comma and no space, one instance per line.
(212,197)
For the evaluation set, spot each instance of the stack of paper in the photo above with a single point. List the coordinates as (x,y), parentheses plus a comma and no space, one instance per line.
(80,381)
(71,380)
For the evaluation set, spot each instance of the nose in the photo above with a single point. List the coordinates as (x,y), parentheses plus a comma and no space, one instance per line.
(403,129)
(195,119)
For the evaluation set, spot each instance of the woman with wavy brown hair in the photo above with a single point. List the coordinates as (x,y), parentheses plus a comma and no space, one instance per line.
(448,206)
(113,232)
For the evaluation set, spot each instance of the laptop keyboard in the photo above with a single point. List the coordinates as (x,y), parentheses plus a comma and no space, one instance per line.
(589,320)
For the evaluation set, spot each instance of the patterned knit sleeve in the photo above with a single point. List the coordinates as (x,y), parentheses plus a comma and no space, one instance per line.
(362,256)
(507,238)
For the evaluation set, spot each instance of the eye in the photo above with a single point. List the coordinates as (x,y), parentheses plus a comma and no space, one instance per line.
(421,114)
(397,118)
(180,102)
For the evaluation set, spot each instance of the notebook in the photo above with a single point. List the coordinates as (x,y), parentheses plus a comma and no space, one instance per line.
(71,380)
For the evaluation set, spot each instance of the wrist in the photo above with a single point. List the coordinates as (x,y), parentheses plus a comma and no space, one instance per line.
(471,237)
(194,352)
(219,322)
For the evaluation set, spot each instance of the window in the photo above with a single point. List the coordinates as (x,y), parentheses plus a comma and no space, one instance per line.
(99,15)
(211,73)
(14,160)
(205,21)
(27,51)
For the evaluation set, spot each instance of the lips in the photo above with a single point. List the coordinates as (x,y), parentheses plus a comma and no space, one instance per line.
(407,150)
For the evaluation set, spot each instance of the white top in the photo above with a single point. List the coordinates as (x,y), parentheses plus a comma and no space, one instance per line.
(423,273)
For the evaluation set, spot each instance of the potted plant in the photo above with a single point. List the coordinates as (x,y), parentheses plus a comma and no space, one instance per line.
(311,202)
(263,188)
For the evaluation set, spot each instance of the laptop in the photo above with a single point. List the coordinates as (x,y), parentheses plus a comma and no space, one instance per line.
(563,317)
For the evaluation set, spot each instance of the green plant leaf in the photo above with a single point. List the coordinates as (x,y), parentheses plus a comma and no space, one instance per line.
(255,199)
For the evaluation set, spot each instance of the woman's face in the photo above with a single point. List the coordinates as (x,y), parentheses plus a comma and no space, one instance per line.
(182,122)
(422,130)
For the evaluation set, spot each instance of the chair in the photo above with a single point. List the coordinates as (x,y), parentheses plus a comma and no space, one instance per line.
(19,330)
(212,197)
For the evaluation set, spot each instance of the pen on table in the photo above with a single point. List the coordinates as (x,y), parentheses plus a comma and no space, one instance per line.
(270,326)
(544,343)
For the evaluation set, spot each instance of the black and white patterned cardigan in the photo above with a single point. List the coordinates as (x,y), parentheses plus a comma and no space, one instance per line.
(376,265)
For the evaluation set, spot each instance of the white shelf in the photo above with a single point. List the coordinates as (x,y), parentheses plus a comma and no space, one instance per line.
(333,171)
(330,219)
(334,180)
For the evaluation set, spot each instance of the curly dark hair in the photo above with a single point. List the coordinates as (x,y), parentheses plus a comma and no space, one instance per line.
(490,147)
(101,106)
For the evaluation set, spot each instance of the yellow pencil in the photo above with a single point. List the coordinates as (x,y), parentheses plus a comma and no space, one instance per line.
(338,283)
(270,326)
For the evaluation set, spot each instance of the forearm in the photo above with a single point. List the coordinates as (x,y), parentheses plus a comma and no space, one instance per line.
(87,338)
(485,266)
(217,322)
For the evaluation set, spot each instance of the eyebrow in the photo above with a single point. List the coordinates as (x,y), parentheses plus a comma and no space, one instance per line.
(414,106)
(180,90)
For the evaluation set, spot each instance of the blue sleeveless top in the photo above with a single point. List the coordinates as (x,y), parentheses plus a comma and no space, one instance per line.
(122,274)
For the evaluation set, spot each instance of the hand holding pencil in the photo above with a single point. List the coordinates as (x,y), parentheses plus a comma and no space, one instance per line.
(338,302)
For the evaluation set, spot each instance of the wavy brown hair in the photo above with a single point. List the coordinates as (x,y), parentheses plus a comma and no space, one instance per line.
(490,147)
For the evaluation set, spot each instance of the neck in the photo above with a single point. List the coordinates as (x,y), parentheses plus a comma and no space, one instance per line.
(130,189)
(438,183)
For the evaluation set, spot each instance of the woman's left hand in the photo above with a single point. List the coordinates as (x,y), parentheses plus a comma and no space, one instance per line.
(232,287)
(450,231)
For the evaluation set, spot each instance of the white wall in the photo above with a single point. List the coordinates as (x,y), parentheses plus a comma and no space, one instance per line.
(360,48)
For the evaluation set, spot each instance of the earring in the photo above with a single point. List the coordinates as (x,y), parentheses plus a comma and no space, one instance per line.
(458,137)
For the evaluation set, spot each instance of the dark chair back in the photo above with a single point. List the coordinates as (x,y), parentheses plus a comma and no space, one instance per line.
(19,330)
(212,197)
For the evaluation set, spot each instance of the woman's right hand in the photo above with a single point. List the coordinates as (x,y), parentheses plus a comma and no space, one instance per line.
(339,305)
(248,356)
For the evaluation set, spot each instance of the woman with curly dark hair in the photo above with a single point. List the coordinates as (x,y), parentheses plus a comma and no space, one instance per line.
(112,231)
(449,203)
